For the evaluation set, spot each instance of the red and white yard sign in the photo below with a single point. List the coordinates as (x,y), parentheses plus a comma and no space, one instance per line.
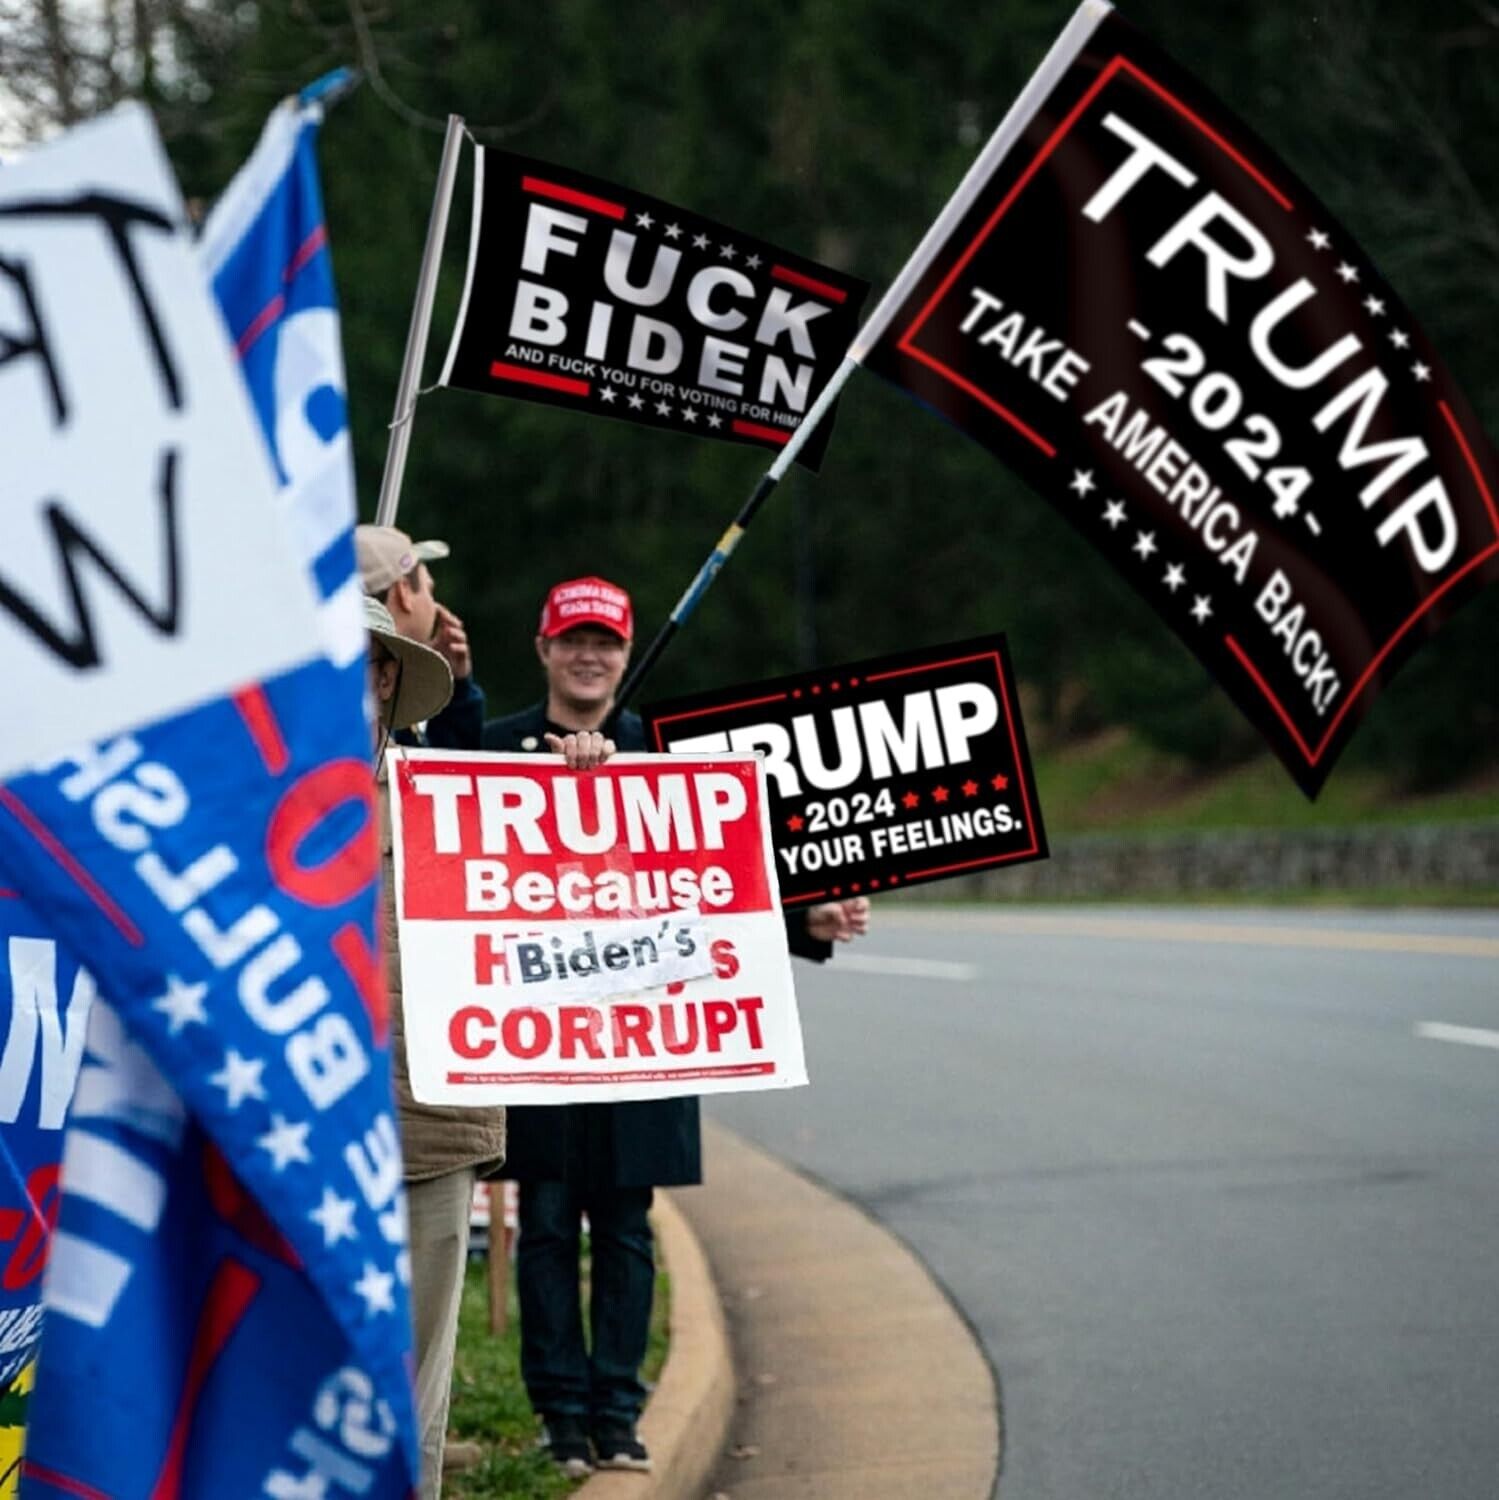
(525,892)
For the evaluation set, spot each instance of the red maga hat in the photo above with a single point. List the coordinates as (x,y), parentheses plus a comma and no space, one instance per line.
(587,601)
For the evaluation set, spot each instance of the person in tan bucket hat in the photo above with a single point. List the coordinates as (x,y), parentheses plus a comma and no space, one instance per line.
(393,570)
(443,1148)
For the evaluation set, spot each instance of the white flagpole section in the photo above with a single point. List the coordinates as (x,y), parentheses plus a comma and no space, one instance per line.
(1085,21)
(421,323)
(476,216)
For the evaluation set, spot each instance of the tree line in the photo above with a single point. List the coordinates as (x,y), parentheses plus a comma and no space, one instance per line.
(836,128)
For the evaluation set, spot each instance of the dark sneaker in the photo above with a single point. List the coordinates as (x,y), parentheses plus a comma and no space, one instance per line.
(566,1440)
(616,1446)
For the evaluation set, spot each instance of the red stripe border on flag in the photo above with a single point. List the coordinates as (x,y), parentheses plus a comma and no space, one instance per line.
(524,375)
(555,190)
(764,434)
(70,866)
(808,283)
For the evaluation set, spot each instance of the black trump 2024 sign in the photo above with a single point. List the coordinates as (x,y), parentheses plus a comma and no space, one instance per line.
(594,297)
(883,773)
(1146,314)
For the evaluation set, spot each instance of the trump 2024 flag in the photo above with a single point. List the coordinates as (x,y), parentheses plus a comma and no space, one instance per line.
(594,297)
(1135,304)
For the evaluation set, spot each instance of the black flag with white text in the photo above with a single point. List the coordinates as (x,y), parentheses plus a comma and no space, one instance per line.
(590,296)
(1138,306)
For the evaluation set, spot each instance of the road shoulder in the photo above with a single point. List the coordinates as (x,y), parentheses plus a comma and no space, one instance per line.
(858,1379)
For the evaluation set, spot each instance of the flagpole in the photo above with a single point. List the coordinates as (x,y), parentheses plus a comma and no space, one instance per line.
(1074,36)
(723,549)
(421,324)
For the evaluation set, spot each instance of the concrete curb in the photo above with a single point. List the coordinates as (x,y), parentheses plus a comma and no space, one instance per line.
(860,1379)
(686,1420)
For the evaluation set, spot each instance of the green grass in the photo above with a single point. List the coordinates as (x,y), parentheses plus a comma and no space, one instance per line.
(1115,783)
(489,1401)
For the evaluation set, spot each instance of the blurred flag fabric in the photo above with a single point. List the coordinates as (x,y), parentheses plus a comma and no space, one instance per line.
(227,1306)
(44,1007)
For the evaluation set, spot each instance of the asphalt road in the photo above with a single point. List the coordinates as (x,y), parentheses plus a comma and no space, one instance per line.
(1220,1204)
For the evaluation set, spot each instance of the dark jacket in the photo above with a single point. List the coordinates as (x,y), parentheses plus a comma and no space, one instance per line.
(643,1143)
(457,727)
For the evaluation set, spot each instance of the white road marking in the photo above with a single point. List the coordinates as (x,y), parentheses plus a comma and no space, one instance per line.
(905,968)
(1467,1036)
(1137,928)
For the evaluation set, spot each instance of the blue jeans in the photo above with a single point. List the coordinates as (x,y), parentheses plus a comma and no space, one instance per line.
(563,1378)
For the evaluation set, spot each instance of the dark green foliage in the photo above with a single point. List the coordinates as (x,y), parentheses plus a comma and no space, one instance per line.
(838,127)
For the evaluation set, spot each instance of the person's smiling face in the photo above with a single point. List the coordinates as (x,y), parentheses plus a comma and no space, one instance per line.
(584,667)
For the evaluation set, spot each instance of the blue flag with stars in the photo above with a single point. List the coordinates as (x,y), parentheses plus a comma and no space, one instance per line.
(227,1305)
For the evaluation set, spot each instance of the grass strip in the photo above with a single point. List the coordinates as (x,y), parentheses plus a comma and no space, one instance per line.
(489,1401)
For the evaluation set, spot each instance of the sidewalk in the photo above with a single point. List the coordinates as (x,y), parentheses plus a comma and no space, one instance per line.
(857,1379)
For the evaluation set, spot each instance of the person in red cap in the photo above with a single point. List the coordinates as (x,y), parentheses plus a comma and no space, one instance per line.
(604,1160)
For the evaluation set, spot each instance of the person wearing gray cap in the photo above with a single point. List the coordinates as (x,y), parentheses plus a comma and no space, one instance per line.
(443,1149)
(393,569)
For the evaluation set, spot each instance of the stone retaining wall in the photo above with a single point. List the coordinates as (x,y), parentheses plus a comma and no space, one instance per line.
(1459,856)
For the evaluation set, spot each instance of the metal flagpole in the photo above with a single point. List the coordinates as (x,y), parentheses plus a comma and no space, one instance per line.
(724,548)
(1085,20)
(421,323)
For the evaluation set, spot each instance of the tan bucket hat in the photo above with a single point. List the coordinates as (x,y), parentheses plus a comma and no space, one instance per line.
(426,680)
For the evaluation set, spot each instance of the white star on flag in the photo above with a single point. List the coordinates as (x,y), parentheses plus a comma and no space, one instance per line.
(636,403)
(1421,371)
(239,1078)
(700,242)
(643,221)
(1319,240)
(285,1142)
(714,420)
(1375,306)
(673,231)
(376,1286)
(1347,273)
(752,262)
(728,252)
(663,409)
(1175,577)
(1399,339)
(688,414)
(335,1217)
(1201,609)
(1145,543)
(1113,513)
(182,1005)
(607,394)
(1082,481)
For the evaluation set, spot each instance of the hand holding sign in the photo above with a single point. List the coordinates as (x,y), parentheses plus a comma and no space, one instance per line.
(839,921)
(582,751)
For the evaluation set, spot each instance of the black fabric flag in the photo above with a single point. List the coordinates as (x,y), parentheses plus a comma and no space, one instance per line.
(594,297)
(1135,304)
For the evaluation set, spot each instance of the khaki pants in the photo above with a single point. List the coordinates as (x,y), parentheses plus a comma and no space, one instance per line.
(439,1209)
